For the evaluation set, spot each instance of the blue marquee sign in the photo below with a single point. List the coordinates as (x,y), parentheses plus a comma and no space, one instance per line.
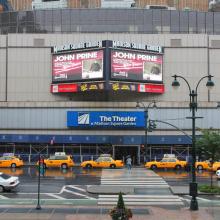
(113,119)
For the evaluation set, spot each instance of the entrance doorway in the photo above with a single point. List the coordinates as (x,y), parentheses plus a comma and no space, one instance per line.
(122,151)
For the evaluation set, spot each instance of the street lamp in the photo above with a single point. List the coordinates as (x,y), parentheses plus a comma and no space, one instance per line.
(139,105)
(193,108)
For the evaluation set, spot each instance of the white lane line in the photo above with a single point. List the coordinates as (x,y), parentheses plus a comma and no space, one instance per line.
(55,196)
(78,194)
(74,187)
(127,181)
(3,197)
(140,196)
(61,191)
(131,183)
(143,203)
(202,199)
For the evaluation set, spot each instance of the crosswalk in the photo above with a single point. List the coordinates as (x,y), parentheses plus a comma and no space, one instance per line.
(137,200)
(149,188)
(137,177)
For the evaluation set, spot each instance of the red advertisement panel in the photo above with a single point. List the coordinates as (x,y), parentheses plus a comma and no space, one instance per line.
(151,88)
(136,66)
(60,88)
(77,87)
(77,66)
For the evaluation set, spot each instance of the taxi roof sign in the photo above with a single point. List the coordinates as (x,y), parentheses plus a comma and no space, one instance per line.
(169,155)
(60,153)
(8,154)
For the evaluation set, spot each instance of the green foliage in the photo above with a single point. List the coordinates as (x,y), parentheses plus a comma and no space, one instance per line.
(120,204)
(120,212)
(209,189)
(209,144)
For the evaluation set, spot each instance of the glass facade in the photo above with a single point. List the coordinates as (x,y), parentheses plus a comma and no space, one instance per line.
(109,20)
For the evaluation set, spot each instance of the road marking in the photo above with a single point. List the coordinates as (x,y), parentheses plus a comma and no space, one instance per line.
(74,187)
(55,196)
(78,194)
(3,197)
(206,200)
(141,200)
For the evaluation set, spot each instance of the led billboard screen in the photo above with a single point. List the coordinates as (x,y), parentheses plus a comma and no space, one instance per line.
(77,66)
(136,66)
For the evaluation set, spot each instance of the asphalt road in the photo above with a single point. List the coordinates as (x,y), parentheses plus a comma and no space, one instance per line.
(181,178)
(72,183)
(55,183)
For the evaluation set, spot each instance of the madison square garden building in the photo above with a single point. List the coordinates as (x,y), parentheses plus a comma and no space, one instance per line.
(71,80)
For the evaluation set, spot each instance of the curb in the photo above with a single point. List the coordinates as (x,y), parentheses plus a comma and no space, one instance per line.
(74,202)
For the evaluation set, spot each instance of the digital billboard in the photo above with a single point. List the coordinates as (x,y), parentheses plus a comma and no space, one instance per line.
(137,66)
(77,66)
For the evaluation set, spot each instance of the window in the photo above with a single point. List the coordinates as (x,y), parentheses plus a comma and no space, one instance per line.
(4,176)
(99,160)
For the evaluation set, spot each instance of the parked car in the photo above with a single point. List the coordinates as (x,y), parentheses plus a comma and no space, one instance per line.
(11,161)
(203,165)
(166,163)
(218,174)
(59,159)
(216,166)
(8,182)
(104,161)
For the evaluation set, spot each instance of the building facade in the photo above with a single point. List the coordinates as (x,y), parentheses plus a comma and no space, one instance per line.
(191,5)
(34,117)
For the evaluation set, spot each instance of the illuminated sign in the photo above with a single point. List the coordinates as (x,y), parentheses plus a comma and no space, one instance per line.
(151,88)
(77,66)
(77,87)
(105,119)
(123,87)
(143,88)
(81,45)
(138,46)
(61,88)
(83,87)
(136,66)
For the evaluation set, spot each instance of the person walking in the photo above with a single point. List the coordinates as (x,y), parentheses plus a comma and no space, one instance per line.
(128,162)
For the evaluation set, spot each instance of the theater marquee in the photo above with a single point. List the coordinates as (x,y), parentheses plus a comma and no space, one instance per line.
(108,66)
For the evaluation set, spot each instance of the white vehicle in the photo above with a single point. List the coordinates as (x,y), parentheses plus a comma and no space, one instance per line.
(218,174)
(8,182)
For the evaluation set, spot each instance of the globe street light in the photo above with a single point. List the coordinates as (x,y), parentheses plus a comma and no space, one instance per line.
(142,105)
(193,107)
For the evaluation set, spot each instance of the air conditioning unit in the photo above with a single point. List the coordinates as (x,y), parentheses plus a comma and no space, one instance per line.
(161,7)
(49,4)
(214,5)
(117,3)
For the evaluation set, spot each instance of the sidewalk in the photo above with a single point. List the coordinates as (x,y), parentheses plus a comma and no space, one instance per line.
(70,213)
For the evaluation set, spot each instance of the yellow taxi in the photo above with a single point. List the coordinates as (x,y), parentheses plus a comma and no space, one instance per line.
(203,165)
(11,161)
(104,161)
(60,159)
(167,162)
(216,166)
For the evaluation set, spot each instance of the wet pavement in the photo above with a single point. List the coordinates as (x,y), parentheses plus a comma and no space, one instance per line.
(83,213)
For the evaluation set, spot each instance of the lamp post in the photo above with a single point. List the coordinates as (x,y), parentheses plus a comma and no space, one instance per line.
(38,207)
(193,107)
(139,105)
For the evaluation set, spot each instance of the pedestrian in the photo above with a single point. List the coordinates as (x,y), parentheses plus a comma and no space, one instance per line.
(128,162)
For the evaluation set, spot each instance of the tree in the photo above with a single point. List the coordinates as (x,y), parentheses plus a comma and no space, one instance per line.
(120,212)
(209,145)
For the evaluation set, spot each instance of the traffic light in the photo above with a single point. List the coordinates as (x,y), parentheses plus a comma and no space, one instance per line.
(41,166)
(151,125)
